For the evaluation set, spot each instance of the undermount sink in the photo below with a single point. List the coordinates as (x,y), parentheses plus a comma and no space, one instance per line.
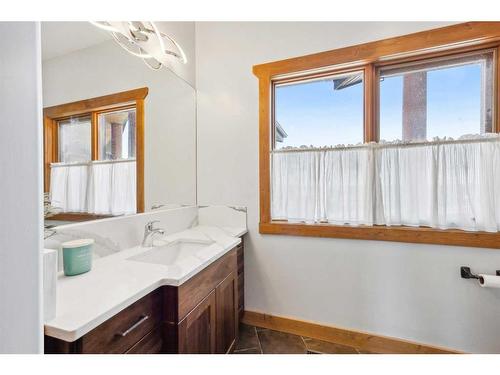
(171,252)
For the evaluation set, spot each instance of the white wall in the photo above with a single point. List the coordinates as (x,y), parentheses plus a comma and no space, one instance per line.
(170,112)
(184,34)
(20,189)
(403,290)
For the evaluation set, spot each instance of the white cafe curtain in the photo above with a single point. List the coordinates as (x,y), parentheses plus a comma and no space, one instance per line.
(323,186)
(441,184)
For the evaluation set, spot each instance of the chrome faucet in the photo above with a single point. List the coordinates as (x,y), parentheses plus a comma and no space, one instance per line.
(149,232)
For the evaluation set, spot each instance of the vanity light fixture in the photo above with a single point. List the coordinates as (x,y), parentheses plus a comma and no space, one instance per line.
(144,40)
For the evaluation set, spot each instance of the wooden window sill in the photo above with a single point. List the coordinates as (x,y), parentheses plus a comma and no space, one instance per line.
(77,216)
(452,237)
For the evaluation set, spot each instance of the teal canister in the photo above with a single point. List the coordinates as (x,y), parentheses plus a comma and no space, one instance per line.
(77,256)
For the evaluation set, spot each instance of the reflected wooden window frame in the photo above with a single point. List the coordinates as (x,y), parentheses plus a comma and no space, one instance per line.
(94,107)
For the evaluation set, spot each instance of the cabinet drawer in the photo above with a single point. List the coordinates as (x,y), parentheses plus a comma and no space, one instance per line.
(150,344)
(125,329)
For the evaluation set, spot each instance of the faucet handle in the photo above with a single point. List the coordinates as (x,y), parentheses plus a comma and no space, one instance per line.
(150,225)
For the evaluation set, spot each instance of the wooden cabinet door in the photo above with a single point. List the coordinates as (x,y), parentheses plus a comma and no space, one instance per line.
(152,343)
(197,329)
(226,299)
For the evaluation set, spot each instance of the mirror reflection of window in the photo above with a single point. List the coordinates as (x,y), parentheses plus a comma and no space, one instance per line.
(92,159)
(117,134)
(74,135)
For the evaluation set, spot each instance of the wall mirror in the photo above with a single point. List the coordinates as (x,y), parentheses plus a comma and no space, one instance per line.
(119,137)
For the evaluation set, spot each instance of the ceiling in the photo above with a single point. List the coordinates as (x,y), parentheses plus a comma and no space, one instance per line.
(61,38)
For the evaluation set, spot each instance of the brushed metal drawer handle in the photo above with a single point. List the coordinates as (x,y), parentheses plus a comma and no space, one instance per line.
(137,324)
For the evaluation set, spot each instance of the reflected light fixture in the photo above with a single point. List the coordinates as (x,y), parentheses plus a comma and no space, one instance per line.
(144,40)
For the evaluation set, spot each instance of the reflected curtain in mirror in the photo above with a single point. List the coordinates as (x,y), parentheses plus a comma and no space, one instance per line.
(99,188)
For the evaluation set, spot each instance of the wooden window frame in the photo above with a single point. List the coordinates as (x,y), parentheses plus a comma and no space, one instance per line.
(94,107)
(369,57)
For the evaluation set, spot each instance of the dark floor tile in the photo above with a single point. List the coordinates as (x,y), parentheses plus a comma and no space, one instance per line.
(274,342)
(318,346)
(248,338)
(248,351)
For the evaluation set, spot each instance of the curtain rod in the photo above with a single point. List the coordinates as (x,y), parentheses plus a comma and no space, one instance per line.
(388,145)
(89,163)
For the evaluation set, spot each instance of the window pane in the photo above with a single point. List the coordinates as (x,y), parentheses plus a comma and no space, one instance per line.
(321,112)
(74,140)
(117,135)
(437,98)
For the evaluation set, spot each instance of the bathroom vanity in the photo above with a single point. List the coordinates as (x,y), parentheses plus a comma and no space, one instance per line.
(200,316)
(184,294)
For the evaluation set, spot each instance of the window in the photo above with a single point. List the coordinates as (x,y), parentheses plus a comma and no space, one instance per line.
(94,158)
(319,112)
(359,144)
(420,101)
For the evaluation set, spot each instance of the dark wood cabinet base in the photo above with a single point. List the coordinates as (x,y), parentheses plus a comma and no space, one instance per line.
(202,314)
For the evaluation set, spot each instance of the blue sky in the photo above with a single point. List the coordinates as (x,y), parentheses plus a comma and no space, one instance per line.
(312,113)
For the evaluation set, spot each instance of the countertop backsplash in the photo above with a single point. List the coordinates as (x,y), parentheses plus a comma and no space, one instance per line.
(115,234)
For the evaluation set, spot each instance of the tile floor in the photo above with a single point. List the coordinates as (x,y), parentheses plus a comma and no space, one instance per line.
(255,340)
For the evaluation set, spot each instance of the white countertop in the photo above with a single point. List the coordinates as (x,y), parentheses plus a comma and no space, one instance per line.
(115,282)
